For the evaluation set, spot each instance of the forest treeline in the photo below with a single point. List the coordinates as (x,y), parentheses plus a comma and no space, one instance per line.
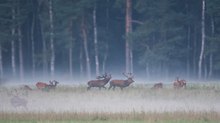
(85,38)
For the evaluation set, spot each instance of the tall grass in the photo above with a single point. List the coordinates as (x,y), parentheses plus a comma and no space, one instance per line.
(198,95)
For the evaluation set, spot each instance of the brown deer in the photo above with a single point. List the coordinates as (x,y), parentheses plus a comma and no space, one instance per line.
(122,83)
(157,86)
(100,83)
(41,85)
(179,83)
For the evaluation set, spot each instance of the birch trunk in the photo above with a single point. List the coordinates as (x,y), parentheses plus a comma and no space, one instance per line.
(95,42)
(52,57)
(202,41)
(85,43)
(13,64)
(107,40)
(71,50)
(211,54)
(188,53)
(33,47)
(81,62)
(1,63)
(128,29)
(21,64)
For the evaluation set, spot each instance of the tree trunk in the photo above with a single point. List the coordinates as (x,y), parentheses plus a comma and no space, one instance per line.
(13,64)
(20,54)
(71,49)
(188,53)
(195,52)
(95,42)
(52,50)
(202,41)
(85,43)
(1,63)
(211,54)
(107,39)
(128,29)
(81,62)
(33,47)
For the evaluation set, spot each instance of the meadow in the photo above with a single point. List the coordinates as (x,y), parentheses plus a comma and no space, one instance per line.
(198,103)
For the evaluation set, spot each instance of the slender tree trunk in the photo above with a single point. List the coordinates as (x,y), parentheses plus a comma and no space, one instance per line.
(195,52)
(188,53)
(202,41)
(128,29)
(107,39)
(71,59)
(211,54)
(33,47)
(96,42)
(44,52)
(13,64)
(71,50)
(1,63)
(52,57)
(81,62)
(85,43)
(44,49)
(20,54)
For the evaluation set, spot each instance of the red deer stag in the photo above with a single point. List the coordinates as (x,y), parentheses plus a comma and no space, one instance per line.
(41,85)
(158,85)
(179,83)
(122,83)
(100,83)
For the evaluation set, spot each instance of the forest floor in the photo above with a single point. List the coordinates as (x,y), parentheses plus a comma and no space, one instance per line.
(198,103)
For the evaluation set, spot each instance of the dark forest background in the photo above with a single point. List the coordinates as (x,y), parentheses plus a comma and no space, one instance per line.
(78,39)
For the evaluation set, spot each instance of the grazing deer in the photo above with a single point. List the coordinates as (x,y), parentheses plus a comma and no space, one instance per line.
(17,101)
(158,85)
(100,83)
(122,83)
(179,83)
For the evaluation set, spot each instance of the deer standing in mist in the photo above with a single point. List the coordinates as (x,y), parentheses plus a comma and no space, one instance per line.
(41,85)
(45,86)
(100,83)
(157,85)
(179,83)
(122,83)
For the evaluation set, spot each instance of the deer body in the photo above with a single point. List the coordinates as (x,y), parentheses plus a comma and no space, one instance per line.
(41,85)
(121,83)
(179,83)
(157,85)
(99,83)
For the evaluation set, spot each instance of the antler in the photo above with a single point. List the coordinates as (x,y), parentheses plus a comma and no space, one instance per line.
(128,75)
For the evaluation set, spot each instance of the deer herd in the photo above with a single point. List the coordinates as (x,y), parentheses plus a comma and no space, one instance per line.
(99,82)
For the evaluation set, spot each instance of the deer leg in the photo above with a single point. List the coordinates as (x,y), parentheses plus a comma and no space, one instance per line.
(110,87)
(113,87)
(121,88)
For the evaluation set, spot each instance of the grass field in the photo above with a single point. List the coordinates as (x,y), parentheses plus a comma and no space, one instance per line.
(198,103)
